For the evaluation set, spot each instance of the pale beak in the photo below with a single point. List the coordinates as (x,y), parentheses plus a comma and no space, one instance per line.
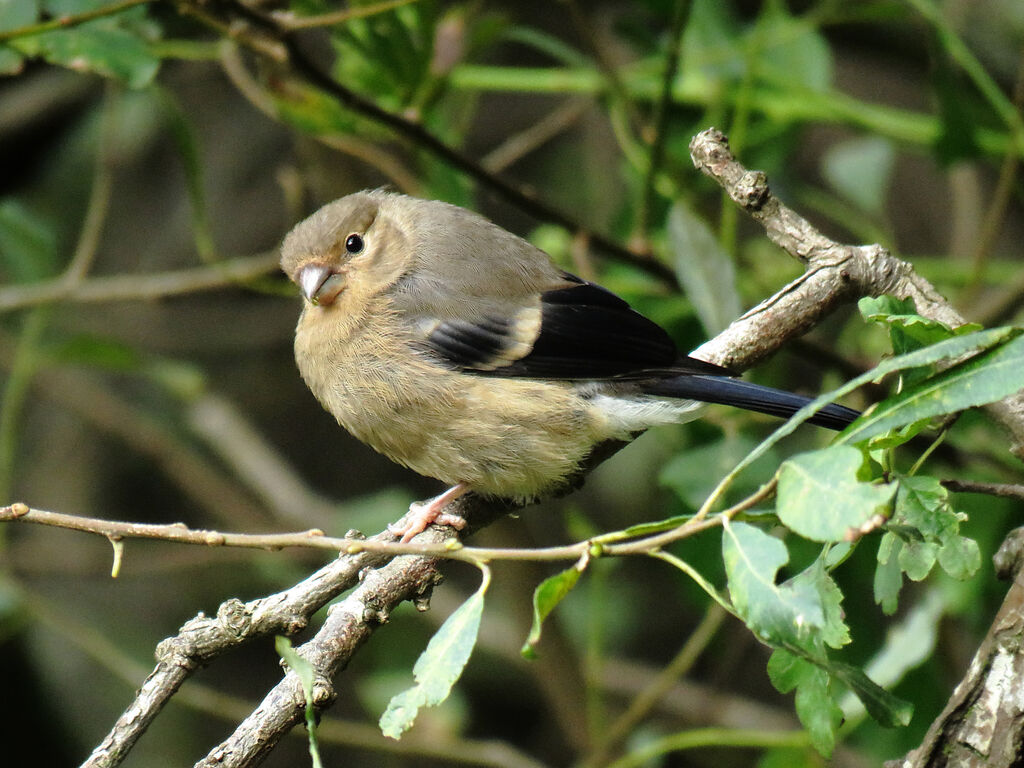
(320,284)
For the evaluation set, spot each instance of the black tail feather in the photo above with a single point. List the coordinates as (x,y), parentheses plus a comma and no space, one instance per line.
(752,397)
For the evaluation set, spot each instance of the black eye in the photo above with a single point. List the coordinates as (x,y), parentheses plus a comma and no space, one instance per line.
(353,243)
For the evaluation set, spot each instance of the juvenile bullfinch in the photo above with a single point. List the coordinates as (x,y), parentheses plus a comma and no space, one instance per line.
(461,351)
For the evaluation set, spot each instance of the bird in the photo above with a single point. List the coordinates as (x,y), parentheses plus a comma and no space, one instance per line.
(461,351)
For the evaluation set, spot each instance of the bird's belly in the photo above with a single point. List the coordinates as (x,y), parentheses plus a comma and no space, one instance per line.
(513,438)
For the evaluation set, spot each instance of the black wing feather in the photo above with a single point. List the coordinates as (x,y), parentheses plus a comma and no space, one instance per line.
(586,332)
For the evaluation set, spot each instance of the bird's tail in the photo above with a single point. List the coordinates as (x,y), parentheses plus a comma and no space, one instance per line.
(752,397)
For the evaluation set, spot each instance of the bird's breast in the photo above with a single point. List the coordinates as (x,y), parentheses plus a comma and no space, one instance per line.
(502,436)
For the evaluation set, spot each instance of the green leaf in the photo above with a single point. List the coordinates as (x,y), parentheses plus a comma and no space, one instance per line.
(834,631)
(821,498)
(917,558)
(439,666)
(548,594)
(790,50)
(888,710)
(955,347)
(784,613)
(924,529)
(860,170)
(692,474)
(985,378)
(113,46)
(704,269)
(907,329)
(28,246)
(304,670)
(18,13)
(15,14)
(888,574)
(815,705)
(908,644)
(960,558)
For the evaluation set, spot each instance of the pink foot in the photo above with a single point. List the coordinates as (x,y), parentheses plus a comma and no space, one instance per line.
(424,513)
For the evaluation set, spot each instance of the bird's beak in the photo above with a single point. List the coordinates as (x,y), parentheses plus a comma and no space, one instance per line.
(320,284)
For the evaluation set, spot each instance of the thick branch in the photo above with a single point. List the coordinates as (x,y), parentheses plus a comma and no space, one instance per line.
(983,722)
(836,274)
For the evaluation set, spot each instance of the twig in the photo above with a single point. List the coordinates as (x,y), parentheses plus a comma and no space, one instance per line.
(993,222)
(364,151)
(72,20)
(982,724)
(349,624)
(203,638)
(99,199)
(1004,490)
(662,110)
(174,532)
(264,36)
(648,698)
(291,22)
(138,287)
(536,135)
(605,65)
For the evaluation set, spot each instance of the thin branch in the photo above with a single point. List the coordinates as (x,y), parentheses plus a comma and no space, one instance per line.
(263,35)
(605,65)
(99,198)
(203,638)
(174,532)
(71,20)
(365,151)
(349,624)
(156,285)
(996,214)
(536,135)
(1003,490)
(290,22)
(662,110)
(645,701)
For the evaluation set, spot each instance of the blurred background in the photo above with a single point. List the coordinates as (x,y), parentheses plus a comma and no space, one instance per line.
(151,168)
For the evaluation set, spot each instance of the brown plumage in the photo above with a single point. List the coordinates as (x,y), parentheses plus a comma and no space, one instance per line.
(459,350)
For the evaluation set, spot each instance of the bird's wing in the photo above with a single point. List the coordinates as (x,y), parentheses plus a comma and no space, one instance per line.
(582,331)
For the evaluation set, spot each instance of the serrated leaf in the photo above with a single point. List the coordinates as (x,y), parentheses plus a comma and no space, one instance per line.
(778,613)
(821,498)
(98,47)
(960,558)
(438,667)
(951,348)
(548,594)
(908,644)
(815,705)
(704,269)
(985,378)
(908,330)
(923,506)
(888,574)
(890,711)
(916,558)
(834,631)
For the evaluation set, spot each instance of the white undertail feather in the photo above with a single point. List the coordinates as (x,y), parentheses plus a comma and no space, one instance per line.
(628,414)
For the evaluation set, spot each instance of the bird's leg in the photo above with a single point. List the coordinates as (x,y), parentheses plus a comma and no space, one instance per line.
(424,513)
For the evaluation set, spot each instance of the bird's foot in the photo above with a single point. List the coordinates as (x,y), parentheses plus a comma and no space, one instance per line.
(424,513)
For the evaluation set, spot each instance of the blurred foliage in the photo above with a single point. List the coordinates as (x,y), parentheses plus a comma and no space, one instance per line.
(143,143)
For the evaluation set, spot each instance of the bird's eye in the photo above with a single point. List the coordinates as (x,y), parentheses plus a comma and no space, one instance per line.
(353,243)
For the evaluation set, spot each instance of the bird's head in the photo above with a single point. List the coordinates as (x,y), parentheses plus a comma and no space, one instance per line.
(347,246)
